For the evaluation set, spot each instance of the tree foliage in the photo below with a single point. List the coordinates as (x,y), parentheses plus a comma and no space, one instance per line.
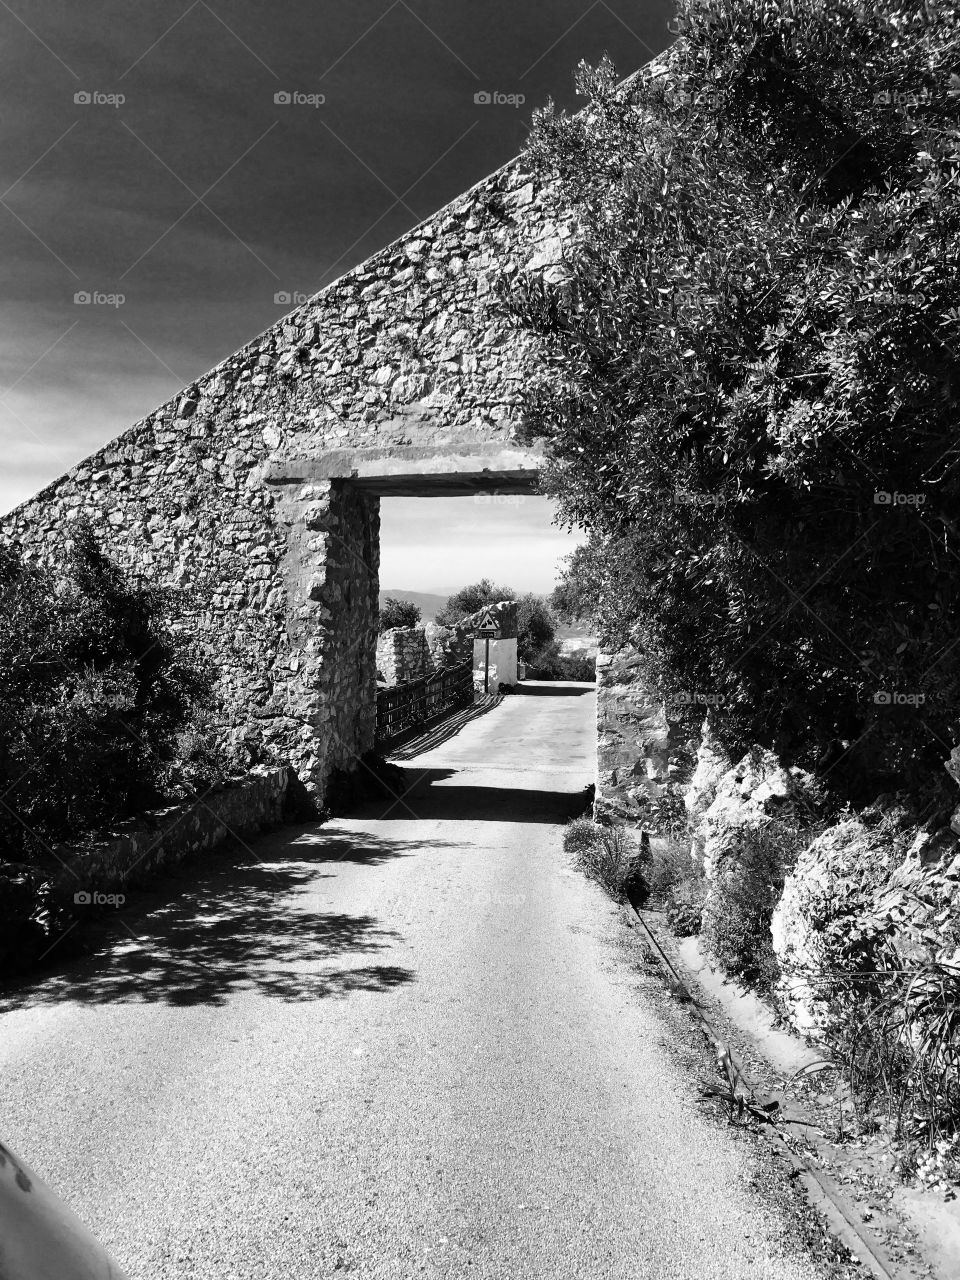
(98,687)
(398,613)
(536,625)
(470,599)
(748,382)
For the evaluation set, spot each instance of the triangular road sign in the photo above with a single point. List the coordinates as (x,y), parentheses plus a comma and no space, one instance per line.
(487,623)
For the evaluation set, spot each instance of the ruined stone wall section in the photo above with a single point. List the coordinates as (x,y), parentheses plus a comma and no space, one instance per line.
(448,646)
(407,348)
(403,654)
(633,739)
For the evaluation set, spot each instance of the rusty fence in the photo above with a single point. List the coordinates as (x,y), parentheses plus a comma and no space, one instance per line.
(407,707)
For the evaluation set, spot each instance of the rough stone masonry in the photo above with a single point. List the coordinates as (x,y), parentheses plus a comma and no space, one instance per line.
(257,487)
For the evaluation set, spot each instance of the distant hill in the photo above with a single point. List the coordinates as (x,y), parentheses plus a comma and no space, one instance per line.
(427,603)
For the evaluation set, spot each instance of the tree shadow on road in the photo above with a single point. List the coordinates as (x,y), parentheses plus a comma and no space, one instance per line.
(423,797)
(253,919)
(554,689)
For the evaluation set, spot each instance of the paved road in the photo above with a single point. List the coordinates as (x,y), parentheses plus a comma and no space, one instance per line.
(411,1043)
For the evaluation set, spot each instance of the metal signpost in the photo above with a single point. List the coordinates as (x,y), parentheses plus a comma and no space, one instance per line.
(487,630)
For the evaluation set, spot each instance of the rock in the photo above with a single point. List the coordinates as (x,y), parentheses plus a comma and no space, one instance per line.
(187,408)
(855,887)
(816,894)
(712,763)
(753,792)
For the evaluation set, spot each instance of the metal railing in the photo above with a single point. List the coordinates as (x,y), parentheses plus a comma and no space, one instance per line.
(417,703)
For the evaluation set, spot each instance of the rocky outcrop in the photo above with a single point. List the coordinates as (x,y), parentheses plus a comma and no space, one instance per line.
(755,791)
(504,613)
(711,764)
(828,891)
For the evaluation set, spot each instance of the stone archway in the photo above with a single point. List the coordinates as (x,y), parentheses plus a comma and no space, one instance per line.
(330,505)
(255,489)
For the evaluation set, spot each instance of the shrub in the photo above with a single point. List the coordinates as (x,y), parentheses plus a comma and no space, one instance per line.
(677,884)
(536,624)
(398,613)
(577,666)
(747,381)
(98,682)
(471,599)
(685,907)
(552,664)
(741,899)
(536,627)
(609,855)
(891,979)
(579,835)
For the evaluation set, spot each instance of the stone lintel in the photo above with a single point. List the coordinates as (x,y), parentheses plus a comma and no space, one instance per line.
(418,470)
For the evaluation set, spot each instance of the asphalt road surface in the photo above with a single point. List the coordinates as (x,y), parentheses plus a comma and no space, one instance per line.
(408,1043)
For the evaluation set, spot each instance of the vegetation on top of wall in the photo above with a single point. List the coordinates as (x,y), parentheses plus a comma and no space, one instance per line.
(103,699)
(398,613)
(537,645)
(749,380)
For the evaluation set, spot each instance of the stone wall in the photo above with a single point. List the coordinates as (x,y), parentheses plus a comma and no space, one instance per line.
(236,810)
(407,653)
(505,615)
(449,646)
(213,492)
(633,740)
(403,654)
(38,909)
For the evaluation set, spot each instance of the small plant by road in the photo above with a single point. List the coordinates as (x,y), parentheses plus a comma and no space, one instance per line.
(609,855)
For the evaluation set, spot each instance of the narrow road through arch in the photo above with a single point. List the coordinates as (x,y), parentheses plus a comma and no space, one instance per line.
(411,1042)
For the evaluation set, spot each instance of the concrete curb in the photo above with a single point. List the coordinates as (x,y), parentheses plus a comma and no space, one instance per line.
(821,1191)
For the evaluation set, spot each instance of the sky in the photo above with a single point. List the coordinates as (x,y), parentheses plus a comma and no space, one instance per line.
(152,164)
